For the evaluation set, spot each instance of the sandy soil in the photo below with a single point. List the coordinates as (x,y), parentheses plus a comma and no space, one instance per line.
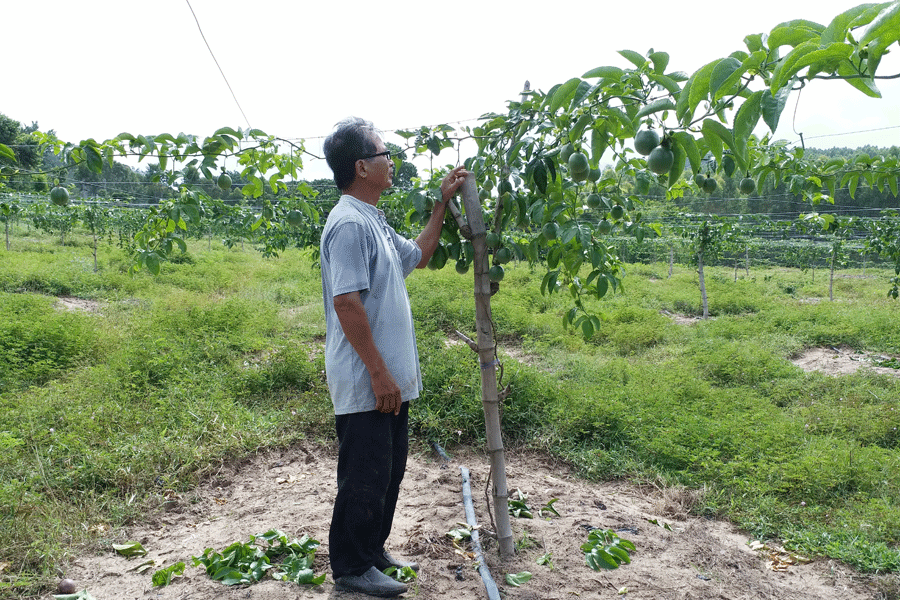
(678,557)
(293,491)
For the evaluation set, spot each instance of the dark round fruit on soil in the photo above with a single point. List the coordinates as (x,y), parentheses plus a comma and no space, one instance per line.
(66,586)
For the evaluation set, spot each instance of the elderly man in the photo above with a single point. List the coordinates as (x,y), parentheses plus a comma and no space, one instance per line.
(371,358)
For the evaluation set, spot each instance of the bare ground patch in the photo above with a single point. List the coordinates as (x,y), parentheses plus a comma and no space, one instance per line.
(678,557)
(843,361)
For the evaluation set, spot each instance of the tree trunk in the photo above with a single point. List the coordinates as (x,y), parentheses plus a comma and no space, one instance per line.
(671,260)
(490,397)
(702,286)
(747,257)
(831,279)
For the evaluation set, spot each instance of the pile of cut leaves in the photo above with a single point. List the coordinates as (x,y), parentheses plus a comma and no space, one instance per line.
(269,553)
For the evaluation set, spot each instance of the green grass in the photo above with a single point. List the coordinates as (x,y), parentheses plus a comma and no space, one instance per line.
(219,357)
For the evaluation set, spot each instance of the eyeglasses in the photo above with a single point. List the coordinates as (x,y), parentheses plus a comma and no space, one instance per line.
(386,153)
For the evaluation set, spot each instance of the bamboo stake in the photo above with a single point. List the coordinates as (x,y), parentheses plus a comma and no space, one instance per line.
(485,348)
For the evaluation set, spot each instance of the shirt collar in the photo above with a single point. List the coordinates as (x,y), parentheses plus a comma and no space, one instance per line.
(362,205)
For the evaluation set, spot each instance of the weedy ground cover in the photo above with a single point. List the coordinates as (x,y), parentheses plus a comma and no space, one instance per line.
(102,412)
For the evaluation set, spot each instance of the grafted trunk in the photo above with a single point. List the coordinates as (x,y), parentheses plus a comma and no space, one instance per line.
(485,349)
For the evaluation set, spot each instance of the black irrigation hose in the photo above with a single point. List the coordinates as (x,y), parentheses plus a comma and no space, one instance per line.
(440,451)
(489,586)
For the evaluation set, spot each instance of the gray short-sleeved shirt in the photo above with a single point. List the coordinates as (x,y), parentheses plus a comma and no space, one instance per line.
(361,253)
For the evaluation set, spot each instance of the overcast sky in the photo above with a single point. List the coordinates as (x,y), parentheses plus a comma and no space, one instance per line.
(96,68)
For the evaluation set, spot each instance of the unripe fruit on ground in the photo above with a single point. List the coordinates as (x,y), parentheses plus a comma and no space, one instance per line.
(59,196)
(747,186)
(660,160)
(645,141)
(224,181)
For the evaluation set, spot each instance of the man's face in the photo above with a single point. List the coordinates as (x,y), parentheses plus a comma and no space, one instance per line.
(380,168)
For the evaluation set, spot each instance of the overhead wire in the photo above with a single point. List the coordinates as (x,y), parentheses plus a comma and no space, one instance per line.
(211,53)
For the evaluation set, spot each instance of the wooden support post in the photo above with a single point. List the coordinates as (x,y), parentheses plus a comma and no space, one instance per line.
(486,359)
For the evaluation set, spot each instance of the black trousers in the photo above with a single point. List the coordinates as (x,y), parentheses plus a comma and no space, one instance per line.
(372,450)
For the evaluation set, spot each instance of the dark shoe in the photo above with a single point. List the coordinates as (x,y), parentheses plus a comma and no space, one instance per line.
(385,561)
(373,582)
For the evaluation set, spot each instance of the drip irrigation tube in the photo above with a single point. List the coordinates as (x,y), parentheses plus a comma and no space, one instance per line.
(440,451)
(489,586)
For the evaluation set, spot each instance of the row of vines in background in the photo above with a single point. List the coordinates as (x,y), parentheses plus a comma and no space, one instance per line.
(747,240)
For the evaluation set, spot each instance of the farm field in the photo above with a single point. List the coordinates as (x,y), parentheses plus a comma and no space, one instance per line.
(129,402)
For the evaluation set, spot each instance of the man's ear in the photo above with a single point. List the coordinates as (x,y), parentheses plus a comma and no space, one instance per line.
(361,169)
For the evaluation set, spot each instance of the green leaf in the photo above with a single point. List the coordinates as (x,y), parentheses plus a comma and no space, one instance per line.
(864,84)
(660,61)
(605,73)
(563,94)
(885,28)
(164,576)
(840,25)
(599,141)
(636,59)
(773,105)
(720,74)
(130,549)
(226,131)
(715,135)
(683,103)
(653,107)
(540,176)
(790,35)
(745,121)
(666,82)
(94,160)
(602,287)
(587,329)
(805,55)
(678,164)
(518,579)
(581,92)
(686,141)
(7,153)
(578,128)
(699,86)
